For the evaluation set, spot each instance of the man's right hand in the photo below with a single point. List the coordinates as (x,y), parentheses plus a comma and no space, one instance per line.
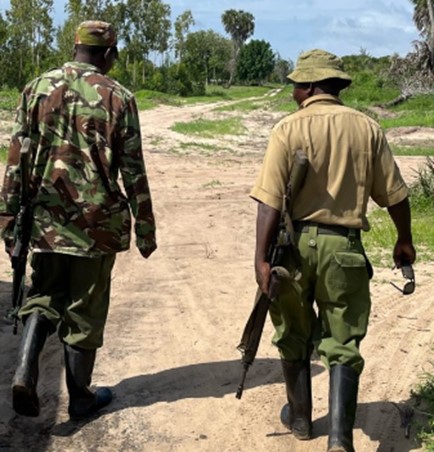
(266,226)
(263,273)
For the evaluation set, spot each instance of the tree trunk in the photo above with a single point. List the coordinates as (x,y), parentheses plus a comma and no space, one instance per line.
(398,100)
(233,64)
(431,31)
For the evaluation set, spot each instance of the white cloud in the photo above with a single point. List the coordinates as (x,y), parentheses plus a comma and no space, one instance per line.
(341,26)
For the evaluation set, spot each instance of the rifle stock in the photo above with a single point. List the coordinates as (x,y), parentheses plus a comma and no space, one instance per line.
(22,233)
(283,254)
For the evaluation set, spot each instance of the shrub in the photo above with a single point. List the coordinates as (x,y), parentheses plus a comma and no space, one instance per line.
(422,191)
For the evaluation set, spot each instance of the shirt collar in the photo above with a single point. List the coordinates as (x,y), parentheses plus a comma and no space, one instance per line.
(329,98)
(82,66)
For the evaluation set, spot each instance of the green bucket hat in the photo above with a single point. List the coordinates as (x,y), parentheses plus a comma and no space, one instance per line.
(96,33)
(317,65)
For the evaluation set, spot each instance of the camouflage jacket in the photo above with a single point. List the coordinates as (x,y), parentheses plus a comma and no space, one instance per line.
(84,128)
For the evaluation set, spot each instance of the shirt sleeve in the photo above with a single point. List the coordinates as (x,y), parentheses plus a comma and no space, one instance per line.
(388,186)
(271,183)
(135,181)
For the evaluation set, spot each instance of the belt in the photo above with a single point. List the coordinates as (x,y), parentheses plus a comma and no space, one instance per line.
(326,229)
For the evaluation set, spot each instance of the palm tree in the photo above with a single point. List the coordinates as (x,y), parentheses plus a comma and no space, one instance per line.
(423,18)
(240,25)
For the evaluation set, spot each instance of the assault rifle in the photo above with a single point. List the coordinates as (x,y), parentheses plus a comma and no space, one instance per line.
(285,265)
(22,233)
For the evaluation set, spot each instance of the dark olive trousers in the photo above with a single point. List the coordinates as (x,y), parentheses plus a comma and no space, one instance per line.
(73,293)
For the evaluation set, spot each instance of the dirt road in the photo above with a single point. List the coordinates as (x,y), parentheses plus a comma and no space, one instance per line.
(175,320)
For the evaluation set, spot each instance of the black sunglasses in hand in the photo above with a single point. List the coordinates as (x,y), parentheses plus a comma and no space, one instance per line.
(410,283)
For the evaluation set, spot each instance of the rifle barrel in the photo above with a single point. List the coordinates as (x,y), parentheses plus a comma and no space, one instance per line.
(243,380)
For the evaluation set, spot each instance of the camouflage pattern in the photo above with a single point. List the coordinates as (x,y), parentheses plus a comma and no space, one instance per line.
(96,33)
(85,130)
(317,65)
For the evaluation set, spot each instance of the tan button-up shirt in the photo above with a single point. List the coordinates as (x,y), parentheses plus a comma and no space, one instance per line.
(349,159)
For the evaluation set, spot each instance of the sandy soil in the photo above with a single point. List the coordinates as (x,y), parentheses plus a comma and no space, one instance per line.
(176,319)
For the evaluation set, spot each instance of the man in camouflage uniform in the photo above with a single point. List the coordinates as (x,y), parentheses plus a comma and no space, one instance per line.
(84,129)
(349,162)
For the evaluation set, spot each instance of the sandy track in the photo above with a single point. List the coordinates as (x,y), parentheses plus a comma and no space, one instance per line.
(175,320)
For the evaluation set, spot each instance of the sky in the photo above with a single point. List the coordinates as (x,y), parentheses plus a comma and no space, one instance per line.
(343,27)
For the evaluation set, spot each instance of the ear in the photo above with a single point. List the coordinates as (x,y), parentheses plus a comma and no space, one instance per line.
(107,54)
(111,54)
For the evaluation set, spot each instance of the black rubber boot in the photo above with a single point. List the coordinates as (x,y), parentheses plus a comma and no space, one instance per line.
(344,384)
(79,367)
(297,414)
(24,397)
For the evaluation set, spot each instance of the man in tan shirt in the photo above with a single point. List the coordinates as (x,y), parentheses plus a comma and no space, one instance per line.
(349,162)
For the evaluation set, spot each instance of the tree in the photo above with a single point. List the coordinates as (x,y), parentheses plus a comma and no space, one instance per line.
(4,51)
(206,56)
(411,74)
(30,30)
(423,18)
(78,11)
(240,25)
(282,68)
(256,62)
(145,28)
(182,26)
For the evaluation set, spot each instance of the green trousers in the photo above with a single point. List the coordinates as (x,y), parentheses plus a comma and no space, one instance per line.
(328,308)
(72,292)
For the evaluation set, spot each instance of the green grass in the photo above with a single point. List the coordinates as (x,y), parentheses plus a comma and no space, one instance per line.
(421,118)
(416,103)
(218,93)
(368,89)
(246,106)
(283,100)
(9,99)
(380,240)
(423,395)
(414,151)
(360,95)
(417,111)
(3,154)
(147,99)
(208,128)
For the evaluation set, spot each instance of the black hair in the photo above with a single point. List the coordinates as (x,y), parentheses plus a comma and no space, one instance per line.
(332,86)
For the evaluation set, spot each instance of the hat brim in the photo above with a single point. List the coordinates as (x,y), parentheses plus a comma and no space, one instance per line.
(318,75)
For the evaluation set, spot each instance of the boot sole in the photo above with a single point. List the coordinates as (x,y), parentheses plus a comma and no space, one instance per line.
(102,398)
(337,449)
(303,436)
(25,401)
